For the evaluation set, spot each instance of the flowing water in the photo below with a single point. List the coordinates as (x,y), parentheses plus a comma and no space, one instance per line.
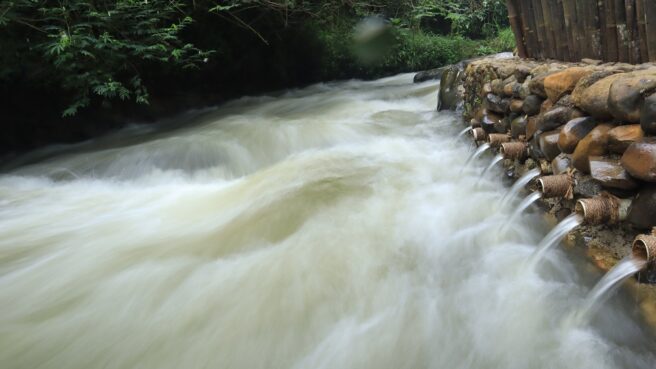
(479,151)
(328,227)
(498,158)
(607,286)
(519,185)
(523,205)
(555,236)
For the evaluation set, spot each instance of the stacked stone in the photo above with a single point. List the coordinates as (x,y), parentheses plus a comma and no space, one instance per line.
(596,119)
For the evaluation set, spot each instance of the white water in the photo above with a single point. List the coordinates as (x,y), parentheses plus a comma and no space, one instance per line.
(498,158)
(605,288)
(518,186)
(523,205)
(329,227)
(555,236)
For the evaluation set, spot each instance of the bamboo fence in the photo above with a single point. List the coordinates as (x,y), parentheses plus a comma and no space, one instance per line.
(570,30)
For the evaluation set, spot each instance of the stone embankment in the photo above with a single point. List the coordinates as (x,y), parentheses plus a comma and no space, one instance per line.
(592,125)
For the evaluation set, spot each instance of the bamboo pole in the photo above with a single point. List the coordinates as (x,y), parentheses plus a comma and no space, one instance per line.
(528,30)
(569,16)
(650,28)
(642,31)
(515,24)
(560,30)
(610,33)
(550,44)
(622,34)
(540,27)
(632,31)
(594,30)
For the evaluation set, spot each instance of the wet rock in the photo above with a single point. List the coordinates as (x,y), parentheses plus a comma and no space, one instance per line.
(561,163)
(531,127)
(489,120)
(534,150)
(518,127)
(487,89)
(620,138)
(536,86)
(648,115)
(497,87)
(639,159)
(587,187)
(643,209)
(428,75)
(549,144)
(516,105)
(573,132)
(627,94)
(588,81)
(594,99)
(532,104)
(496,104)
(546,106)
(450,96)
(521,72)
(558,84)
(556,117)
(611,174)
(594,143)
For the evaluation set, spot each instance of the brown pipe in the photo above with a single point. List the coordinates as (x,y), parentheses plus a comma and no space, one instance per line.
(496,139)
(603,209)
(644,247)
(479,134)
(561,185)
(514,150)
(474,123)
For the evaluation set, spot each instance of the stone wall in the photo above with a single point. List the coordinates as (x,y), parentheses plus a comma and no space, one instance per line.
(593,123)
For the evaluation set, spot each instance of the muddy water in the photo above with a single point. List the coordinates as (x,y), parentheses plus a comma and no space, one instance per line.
(329,227)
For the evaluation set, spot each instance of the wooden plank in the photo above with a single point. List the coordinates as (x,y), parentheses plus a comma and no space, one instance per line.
(515,25)
(540,30)
(529,30)
(650,28)
(642,31)
(594,30)
(550,44)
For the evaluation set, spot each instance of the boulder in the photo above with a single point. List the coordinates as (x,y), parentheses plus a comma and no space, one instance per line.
(489,120)
(639,159)
(648,115)
(556,117)
(521,72)
(450,97)
(560,83)
(594,99)
(518,127)
(549,144)
(516,105)
(594,143)
(531,127)
(532,104)
(428,75)
(546,106)
(496,104)
(573,132)
(627,94)
(588,81)
(536,86)
(586,187)
(620,138)
(611,174)
(643,209)
(497,87)
(561,163)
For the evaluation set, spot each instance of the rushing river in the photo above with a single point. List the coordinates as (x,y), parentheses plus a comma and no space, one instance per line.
(328,227)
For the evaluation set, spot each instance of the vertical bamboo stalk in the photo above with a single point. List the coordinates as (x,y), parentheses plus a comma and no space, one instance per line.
(569,15)
(594,30)
(632,31)
(561,30)
(528,30)
(550,45)
(579,35)
(611,31)
(515,24)
(622,32)
(650,28)
(540,29)
(642,32)
(602,28)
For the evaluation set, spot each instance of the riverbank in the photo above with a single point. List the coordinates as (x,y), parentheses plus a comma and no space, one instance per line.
(589,125)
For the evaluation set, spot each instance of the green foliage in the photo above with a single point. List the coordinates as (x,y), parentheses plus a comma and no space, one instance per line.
(99,48)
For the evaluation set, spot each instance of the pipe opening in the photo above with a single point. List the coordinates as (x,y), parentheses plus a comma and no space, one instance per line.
(644,248)
(560,185)
(603,209)
(514,150)
(478,134)
(496,139)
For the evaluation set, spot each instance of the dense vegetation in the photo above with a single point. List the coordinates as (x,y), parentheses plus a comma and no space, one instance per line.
(79,60)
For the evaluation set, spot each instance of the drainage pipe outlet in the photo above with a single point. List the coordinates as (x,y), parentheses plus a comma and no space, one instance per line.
(603,209)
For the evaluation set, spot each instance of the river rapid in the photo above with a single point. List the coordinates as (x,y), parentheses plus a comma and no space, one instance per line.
(328,227)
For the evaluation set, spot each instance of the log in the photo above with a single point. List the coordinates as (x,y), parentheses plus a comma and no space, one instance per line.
(515,25)
(642,31)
